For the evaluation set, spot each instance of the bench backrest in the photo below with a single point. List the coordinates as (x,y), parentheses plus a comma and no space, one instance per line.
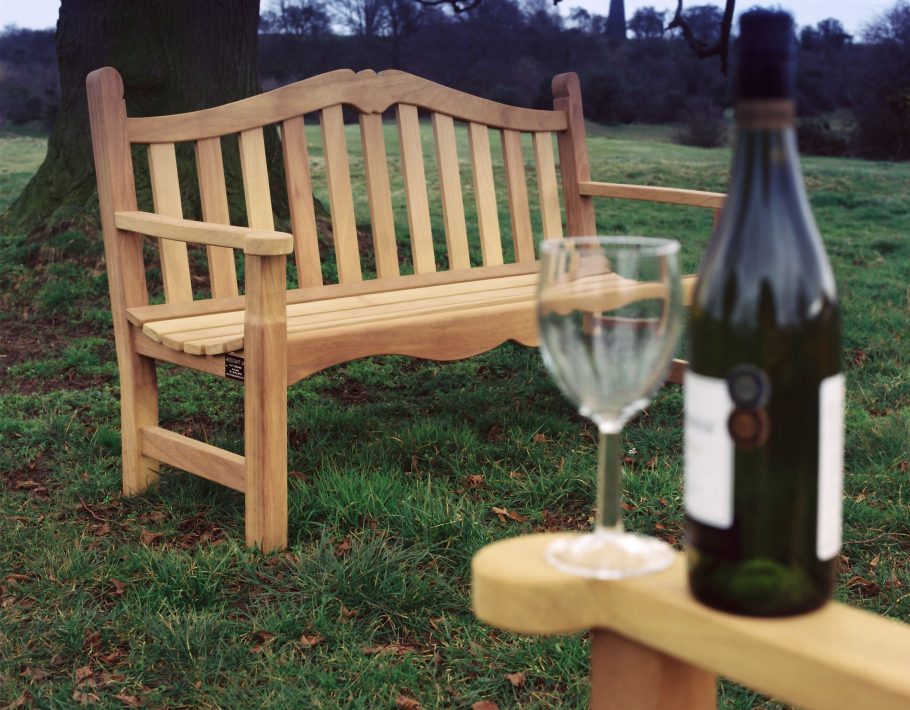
(320,99)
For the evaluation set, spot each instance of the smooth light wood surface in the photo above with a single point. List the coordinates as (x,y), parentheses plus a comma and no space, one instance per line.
(669,195)
(547,187)
(125,271)
(141,315)
(450,192)
(213,196)
(221,332)
(341,196)
(573,156)
(452,335)
(368,91)
(626,674)
(485,194)
(251,241)
(256,193)
(265,408)
(517,189)
(175,265)
(838,657)
(415,189)
(194,456)
(300,202)
(375,166)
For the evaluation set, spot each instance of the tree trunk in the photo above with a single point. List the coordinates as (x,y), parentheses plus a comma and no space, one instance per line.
(174,56)
(616,21)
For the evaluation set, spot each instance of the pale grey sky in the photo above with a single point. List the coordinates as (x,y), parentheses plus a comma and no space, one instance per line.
(39,14)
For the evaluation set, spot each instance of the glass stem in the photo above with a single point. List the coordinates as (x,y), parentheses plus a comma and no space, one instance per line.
(609,484)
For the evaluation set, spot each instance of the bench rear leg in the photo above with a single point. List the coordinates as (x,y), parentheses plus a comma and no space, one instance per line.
(138,409)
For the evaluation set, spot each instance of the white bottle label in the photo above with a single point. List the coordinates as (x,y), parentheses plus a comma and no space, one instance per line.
(830,466)
(708,472)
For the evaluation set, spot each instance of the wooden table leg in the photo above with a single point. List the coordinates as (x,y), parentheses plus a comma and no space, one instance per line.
(627,675)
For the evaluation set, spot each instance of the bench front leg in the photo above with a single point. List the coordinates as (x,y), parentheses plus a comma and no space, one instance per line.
(265,403)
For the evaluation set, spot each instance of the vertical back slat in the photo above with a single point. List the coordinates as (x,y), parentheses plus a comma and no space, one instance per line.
(517,188)
(415,189)
(548,190)
(450,189)
(255,171)
(341,199)
(175,265)
(300,202)
(375,165)
(485,194)
(213,195)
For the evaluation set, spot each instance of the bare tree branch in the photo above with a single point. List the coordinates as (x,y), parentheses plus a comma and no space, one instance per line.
(460,5)
(721,48)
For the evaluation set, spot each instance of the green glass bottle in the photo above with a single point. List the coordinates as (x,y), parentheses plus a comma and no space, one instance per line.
(764,394)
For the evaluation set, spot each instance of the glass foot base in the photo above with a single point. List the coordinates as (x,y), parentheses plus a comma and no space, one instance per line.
(609,555)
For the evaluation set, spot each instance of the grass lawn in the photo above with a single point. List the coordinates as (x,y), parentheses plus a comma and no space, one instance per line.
(396,468)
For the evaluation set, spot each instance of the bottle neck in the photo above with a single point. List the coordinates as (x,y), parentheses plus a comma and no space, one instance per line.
(766,149)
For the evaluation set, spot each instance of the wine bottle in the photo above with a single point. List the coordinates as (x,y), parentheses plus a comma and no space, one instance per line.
(764,394)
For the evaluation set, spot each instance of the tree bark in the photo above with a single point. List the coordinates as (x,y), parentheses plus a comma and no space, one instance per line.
(174,56)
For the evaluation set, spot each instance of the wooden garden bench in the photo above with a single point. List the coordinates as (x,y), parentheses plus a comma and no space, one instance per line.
(272,337)
(654,647)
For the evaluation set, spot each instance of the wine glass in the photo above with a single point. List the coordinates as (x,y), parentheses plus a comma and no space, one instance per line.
(610,312)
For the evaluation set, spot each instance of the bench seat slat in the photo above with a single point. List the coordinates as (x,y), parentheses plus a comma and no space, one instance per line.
(218,333)
(140,315)
(227,324)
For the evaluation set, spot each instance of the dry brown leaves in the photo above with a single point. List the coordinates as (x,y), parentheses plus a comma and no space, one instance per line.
(516,679)
(406,702)
(503,514)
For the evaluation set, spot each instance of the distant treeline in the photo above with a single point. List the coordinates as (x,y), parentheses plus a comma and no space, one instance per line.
(854,92)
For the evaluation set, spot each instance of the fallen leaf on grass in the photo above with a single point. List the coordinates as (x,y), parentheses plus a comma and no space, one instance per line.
(502,513)
(83,674)
(485,705)
(85,698)
(343,548)
(865,587)
(21,701)
(516,679)
(119,587)
(541,438)
(33,674)
(387,649)
(311,640)
(264,639)
(92,641)
(112,657)
(476,480)
(129,700)
(150,538)
(405,702)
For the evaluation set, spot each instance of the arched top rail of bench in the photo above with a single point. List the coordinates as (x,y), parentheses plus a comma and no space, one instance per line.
(367,91)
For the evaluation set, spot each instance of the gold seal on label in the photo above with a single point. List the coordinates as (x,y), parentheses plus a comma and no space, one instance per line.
(749,428)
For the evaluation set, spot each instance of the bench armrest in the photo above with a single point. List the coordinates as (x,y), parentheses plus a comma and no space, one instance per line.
(837,657)
(251,241)
(669,195)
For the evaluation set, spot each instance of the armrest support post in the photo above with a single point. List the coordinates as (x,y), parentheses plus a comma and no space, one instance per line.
(265,402)
(626,674)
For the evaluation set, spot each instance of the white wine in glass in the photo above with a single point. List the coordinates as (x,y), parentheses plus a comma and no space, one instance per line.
(610,313)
